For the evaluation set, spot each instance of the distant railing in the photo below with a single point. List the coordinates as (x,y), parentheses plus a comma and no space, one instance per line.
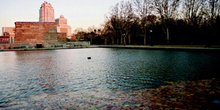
(78,44)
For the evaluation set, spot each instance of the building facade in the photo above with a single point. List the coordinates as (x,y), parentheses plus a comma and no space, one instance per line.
(45,33)
(4,39)
(62,26)
(11,33)
(35,33)
(46,13)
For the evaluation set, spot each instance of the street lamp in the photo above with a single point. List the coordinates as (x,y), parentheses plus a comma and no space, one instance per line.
(151,44)
(124,39)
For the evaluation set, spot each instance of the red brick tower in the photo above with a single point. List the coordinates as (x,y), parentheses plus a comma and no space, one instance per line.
(46,13)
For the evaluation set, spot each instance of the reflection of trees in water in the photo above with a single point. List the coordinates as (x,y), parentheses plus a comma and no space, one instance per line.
(60,71)
(149,69)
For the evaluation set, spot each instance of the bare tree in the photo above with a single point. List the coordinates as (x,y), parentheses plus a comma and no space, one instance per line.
(213,9)
(167,9)
(91,32)
(120,20)
(91,28)
(193,11)
(126,16)
(79,32)
(143,8)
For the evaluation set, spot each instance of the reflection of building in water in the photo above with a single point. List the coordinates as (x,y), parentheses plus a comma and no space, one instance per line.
(45,32)
(46,13)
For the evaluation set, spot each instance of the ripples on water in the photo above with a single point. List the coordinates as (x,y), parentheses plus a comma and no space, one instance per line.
(32,73)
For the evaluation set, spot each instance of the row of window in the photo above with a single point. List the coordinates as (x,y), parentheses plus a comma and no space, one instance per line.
(4,41)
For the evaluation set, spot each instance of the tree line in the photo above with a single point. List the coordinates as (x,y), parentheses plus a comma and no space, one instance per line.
(150,22)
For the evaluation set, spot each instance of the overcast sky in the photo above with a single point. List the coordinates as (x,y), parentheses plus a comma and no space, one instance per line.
(79,13)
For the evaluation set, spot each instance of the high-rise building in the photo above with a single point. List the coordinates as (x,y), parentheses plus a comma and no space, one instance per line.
(46,13)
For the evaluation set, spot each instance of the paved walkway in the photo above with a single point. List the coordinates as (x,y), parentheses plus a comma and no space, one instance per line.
(163,47)
(147,47)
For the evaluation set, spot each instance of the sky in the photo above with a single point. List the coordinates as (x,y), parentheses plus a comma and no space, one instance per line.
(79,13)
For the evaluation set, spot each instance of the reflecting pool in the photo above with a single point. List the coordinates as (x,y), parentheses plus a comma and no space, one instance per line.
(30,75)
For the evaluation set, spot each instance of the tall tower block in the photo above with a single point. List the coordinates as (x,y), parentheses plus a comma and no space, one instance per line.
(46,13)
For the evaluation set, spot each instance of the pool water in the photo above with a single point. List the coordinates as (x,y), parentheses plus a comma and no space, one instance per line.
(40,77)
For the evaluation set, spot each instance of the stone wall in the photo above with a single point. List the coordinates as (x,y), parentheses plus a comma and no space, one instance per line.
(61,37)
(78,44)
(32,33)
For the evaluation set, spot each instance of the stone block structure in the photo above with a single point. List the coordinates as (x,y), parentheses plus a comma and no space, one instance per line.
(35,33)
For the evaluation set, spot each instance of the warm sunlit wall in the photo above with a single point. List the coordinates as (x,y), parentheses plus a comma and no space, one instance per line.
(10,31)
(32,33)
(62,26)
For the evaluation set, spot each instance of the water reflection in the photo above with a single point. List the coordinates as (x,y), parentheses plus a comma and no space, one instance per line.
(31,73)
(39,69)
(9,60)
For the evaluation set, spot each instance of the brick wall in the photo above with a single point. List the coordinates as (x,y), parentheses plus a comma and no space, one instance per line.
(32,33)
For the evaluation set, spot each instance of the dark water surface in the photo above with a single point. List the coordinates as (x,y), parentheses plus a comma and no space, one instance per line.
(28,74)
